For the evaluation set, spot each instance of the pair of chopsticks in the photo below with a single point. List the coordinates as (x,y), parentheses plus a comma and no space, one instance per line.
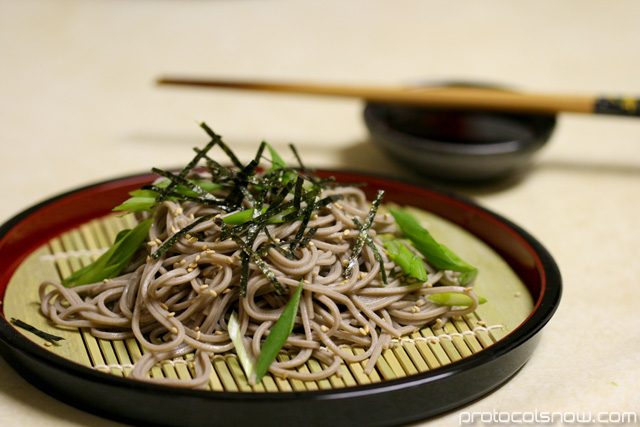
(453,97)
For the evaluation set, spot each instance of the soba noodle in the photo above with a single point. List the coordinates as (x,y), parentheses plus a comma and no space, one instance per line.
(180,303)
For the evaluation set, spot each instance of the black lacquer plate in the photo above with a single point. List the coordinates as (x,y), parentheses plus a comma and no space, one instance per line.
(390,402)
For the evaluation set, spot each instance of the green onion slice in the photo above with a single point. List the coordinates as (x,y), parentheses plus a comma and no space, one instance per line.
(452,299)
(435,253)
(246,360)
(279,334)
(115,260)
(408,261)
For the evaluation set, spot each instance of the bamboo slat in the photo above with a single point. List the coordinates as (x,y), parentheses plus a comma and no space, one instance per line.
(509,304)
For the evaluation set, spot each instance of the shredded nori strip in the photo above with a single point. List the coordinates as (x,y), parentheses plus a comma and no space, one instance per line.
(192,164)
(241,182)
(179,196)
(362,237)
(375,251)
(183,181)
(270,213)
(297,195)
(256,259)
(222,145)
(35,331)
(305,241)
(173,239)
(306,217)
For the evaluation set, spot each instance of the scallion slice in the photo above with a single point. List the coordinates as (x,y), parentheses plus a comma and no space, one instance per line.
(279,334)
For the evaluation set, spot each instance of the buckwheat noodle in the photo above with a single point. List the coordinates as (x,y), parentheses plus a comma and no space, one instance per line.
(180,303)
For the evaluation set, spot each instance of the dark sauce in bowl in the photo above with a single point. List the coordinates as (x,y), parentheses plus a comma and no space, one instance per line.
(462,127)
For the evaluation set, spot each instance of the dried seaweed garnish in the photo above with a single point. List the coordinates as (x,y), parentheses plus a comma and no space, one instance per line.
(279,246)
(362,237)
(241,181)
(44,335)
(270,213)
(167,244)
(255,257)
(306,217)
(297,195)
(189,184)
(374,249)
(174,195)
(215,139)
(307,238)
(264,195)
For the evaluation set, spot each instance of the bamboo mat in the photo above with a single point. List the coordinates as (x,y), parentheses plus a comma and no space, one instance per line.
(509,304)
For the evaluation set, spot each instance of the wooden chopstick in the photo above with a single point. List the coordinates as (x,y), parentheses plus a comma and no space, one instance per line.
(458,97)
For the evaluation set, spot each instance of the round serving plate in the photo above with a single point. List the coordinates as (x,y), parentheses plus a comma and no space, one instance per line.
(392,399)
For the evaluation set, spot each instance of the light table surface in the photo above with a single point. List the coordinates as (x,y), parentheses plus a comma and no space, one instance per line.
(78,105)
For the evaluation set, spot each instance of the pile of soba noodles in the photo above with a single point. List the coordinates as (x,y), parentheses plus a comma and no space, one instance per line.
(198,270)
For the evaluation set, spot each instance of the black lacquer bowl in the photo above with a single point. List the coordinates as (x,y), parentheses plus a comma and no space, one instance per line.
(462,146)
(389,402)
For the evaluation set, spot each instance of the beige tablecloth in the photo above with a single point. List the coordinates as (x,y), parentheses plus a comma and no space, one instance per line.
(78,105)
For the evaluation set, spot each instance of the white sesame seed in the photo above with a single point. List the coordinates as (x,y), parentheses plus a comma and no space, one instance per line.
(47,343)
(197,258)
(197,328)
(346,232)
(198,335)
(164,306)
(174,330)
(183,262)
(172,314)
(226,291)
(151,243)
(213,293)
(189,270)
(517,294)
(219,333)
(324,328)
(362,332)
(203,287)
